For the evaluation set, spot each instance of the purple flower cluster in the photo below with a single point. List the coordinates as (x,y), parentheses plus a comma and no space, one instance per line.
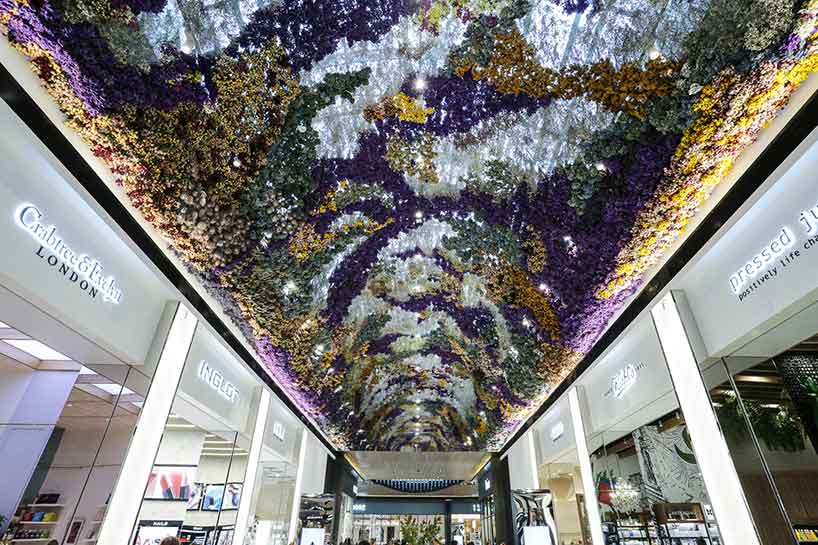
(311,29)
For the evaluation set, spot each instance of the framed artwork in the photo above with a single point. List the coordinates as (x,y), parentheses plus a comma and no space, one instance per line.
(232,496)
(74,530)
(170,483)
(194,499)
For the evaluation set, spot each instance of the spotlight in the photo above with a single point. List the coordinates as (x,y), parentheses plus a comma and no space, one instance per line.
(419,84)
(654,54)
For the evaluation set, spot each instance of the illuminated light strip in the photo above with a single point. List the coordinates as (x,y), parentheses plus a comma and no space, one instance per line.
(713,457)
(243,517)
(532,459)
(591,504)
(299,480)
(123,509)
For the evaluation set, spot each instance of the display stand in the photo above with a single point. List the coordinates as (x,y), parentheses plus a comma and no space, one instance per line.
(682,524)
(806,533)
(636,529)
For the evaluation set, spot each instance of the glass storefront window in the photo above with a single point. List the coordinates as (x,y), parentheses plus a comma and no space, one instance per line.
(559,473)
(767,408)
(196,484)
(65,429)
(648,484)
(272,499)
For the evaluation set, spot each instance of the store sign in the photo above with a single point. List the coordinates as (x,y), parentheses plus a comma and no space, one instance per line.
(773,258)
(623,380)
(279,431)
(82,270)
(557,431)
(475,508)
(487,484)
(359,508)
(217,381)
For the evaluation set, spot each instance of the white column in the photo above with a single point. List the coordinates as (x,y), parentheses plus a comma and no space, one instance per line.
(253,470)
(123,509)
(588,481)
(719,473)
(299,479)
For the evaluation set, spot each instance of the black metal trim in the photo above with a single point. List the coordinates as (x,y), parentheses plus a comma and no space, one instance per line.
(790,137)
(38,122)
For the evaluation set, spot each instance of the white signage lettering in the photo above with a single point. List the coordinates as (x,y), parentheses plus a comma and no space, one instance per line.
(624,379)
(358,507)
(773,258)
(216,380)
(761,261)
(79,268)
(279,431)
(557,431)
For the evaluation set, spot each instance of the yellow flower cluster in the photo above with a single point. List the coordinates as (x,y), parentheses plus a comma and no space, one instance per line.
(537,256)
(513,69)
(732,111)
(307,241)
(401,106)
(513,286)
(415,159)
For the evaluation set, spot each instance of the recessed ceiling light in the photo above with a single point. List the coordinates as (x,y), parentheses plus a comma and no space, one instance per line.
(419,84)
(37,349)
(417,401)
(419,214)
(654,54)
(601,167)
(236,162)
(186,49)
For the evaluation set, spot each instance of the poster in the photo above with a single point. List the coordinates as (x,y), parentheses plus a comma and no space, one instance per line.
(216,497)
(312,536)
(170,483)
(152,532)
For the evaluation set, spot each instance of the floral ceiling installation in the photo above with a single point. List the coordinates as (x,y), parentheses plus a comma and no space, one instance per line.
(421,214)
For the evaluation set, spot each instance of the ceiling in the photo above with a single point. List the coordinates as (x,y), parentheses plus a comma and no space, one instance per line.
(420,214)
(455,466)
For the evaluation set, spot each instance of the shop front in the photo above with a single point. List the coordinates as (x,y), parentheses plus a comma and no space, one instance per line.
(387,520)
(123,417)
(699,423)
(753,298)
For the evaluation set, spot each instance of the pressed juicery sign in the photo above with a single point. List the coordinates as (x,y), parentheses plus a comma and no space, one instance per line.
(783,251)
(80,269)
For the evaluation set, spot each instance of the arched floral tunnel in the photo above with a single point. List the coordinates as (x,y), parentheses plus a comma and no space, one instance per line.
(420,214)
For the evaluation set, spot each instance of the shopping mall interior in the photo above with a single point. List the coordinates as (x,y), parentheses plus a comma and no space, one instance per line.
(408,272)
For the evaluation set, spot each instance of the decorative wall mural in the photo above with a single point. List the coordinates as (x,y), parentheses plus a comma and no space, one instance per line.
(421,214)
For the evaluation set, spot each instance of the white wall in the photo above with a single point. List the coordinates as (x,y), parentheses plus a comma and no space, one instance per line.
(31,174)
(30,404)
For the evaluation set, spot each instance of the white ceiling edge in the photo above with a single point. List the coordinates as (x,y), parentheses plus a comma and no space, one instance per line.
(18,66)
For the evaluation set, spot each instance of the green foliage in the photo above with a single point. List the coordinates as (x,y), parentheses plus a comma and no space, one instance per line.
(777,427)
(419,533)
(291,158)
(734,31)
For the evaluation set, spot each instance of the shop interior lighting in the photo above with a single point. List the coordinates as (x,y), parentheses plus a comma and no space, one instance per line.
(114,389)
(4,326)
(37,349)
